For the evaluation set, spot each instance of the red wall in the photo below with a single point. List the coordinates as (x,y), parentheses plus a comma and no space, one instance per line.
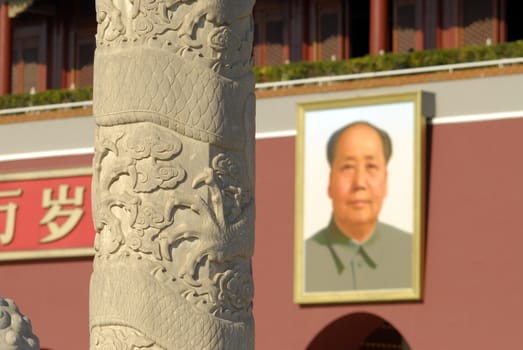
(55,296)
(473,281)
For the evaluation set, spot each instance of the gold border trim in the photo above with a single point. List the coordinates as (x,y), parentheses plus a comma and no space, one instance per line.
(46,174)
(20,255)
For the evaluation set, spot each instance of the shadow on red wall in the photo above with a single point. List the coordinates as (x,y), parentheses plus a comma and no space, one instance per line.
(358,331)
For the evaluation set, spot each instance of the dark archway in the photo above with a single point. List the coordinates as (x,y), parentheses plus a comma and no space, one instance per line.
(358,331)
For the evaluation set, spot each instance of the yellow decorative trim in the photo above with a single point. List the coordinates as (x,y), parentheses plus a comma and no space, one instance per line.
(46,174)
(46,254)
(18,6)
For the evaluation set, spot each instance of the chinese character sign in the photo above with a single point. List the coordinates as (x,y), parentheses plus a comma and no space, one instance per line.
(56,209)
(6,236)
(47,213)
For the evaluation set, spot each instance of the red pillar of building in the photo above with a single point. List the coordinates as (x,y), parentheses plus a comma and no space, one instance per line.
(378,26)
(449,24)
(5,49)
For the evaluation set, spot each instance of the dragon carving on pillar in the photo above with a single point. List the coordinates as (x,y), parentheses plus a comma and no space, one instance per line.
(173,182)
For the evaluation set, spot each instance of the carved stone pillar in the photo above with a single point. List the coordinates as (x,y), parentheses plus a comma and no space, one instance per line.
(173,175)
(15,329)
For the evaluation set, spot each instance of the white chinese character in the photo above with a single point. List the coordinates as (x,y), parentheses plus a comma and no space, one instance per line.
(6,236)
(56,210)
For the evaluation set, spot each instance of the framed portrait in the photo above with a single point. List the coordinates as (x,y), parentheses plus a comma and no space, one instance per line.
(360,198)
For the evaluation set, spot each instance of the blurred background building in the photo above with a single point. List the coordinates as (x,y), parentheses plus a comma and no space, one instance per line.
(472,283)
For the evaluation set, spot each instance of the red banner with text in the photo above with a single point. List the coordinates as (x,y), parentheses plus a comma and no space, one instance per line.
(46,214)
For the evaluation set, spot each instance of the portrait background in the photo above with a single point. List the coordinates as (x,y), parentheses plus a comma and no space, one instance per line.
(398,120)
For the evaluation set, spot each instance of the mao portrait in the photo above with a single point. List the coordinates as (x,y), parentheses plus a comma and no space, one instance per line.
(358,221)
(355,250)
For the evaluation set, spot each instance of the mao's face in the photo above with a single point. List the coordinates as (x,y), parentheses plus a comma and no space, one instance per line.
(358,178)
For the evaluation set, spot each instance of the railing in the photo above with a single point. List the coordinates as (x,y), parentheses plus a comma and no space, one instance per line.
(44,108)
(390,73)
(307,81)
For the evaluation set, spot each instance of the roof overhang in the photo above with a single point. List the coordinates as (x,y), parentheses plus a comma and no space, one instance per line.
(17,6)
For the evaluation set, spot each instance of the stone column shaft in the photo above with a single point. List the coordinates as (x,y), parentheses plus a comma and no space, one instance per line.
(173,181)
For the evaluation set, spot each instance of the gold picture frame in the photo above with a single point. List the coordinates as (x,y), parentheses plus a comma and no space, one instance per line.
(328,266)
